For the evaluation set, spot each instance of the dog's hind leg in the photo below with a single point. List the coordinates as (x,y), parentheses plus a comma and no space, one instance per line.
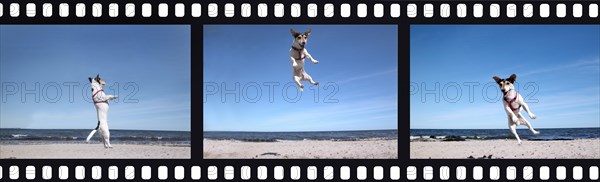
(105,137)
(529,126)
(108,139)
(108,145)
(513,130)
(297,80)
(308,78)
(101,133)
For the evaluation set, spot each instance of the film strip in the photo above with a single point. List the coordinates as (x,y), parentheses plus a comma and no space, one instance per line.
(369,118)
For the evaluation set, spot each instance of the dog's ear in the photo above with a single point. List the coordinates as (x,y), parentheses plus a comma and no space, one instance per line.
(498,79)
(97,78)
(308,32)
(293,32)
(512,78)
(90,78)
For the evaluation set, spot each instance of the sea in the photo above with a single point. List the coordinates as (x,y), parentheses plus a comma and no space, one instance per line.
(490,134)
(18,136)
(298,136)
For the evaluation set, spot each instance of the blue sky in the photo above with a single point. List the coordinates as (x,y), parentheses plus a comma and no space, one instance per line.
(148,66)
(557,67)
(359,63)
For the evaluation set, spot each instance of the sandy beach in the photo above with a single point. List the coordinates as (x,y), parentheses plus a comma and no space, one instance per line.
(307,149)
(507,149)
(94,151)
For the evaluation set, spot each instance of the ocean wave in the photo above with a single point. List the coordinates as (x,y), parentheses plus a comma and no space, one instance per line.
(304,139)
(245,139)
(29,137)
(12,136)
(501,137)
(20,137)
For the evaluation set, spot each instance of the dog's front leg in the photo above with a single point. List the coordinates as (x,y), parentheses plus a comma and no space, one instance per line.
(103,97)
(294,64)
(526,107)
(112,97)
(310,57)
(511,114)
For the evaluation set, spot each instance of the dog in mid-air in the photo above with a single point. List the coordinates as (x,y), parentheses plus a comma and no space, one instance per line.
(101,102)
(513,102)
(297,55)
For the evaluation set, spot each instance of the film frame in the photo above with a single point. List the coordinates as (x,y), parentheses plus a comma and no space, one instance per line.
(403,168)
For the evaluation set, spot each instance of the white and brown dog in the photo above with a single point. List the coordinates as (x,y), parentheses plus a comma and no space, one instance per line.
(101,102)
(297,55)
(512,105)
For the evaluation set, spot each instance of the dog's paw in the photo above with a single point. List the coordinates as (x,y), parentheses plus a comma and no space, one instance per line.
(532,116)
(315,61)
(519,142)
(515,120)
(316,83)
(301,86)
(536,133)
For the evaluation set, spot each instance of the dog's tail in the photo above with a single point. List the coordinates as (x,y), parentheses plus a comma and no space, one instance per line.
(90,136)
(87,140)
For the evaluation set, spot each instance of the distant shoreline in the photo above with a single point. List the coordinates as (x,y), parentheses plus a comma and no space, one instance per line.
(495,134)
(92,128)
(499,128)
(74,136)
(277,140)
(356,135)
(301,131)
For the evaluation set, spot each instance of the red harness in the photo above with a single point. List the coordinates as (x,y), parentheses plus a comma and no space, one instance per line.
(96,102)
(299,53)
(512,100)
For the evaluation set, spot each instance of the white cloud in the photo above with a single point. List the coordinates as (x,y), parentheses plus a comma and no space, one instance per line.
(375,74)
(579,64)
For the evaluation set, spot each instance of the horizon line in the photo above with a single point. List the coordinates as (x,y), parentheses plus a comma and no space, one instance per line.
(88,129)
(494,128)
(297,131)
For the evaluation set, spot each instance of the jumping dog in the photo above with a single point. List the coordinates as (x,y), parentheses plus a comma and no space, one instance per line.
(297,54)
(513,102)
(101,102)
